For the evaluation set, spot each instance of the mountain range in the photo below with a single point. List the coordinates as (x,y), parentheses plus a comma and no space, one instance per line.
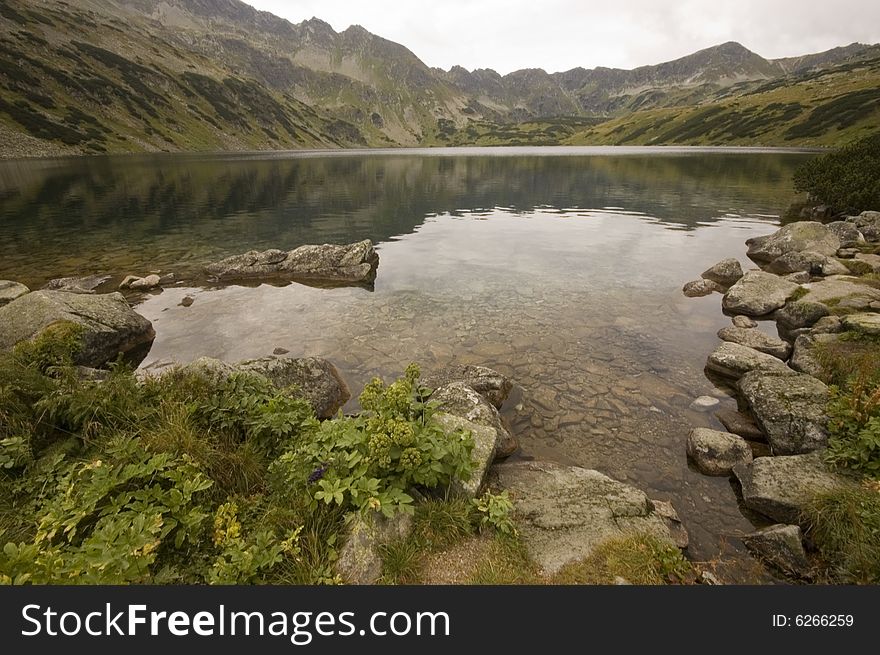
(90,76)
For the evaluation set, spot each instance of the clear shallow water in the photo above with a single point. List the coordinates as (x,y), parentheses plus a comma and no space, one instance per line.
(560,267)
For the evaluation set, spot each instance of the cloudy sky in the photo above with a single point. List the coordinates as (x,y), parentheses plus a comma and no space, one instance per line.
(560,34)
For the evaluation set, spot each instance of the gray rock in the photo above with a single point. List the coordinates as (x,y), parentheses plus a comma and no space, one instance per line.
(460,399)
(716,453)
(10,290)
(758,293)
(799,314)
(701,287)
(796,261)
(744,322)
(110,326)
(794,237)
(564,512)
(127,280)
(801,277)
(781,487)
(355,263)
(317,379)
(868,223)
(790,410)
(677,531)
(868,324)
(827,325)
(833,267)
(188,301)
(848,253)
(804,356)
(732,360)
(870,259)
(756,339)
(704,403)
(848,233)
(781,546)
(738,423)
(486,443)
(145,283)
(360,558)
(841,290)
(86,284)
(490,384)
(725,273)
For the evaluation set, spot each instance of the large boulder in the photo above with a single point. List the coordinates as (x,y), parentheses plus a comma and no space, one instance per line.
(799,314)
(564,512)
(10,290)
(758,293)
(725,273)
(756,339)
(490,384)
(868,223)
(731,360)
(794,237)
(790,410)
(848,233)
(794,261)
(109,326)
(360,558)
(781,546)
(354,263)
(460,399)
(716,453)
(317,379)
(781,487)
(487,441)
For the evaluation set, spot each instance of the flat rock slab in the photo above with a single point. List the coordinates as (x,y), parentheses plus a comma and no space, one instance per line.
(10,290)
(731,360)
(564,512)
(840,287)
(863,323)
(781,487)
(790,409)
(354,263)
(757,340)
(758,293)
(110,326)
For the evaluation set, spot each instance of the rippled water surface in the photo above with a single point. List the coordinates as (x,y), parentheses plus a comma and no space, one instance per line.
(561,267)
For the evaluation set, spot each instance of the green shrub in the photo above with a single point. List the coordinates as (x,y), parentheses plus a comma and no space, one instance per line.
(847,179)
(495,511)
(372,460)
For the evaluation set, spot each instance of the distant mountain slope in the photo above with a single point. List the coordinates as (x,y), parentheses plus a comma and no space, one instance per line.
(87,76)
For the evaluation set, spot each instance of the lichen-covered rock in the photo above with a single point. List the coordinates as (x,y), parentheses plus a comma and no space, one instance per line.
(758,293)
(841,289)
(716,453)
(725,273)
(743,322)
(701,287)
(732,360)
(790,410)
(803,357)
(460,399)
(360,558)
(109,326)
(799,314)
(794,237)
(781,546)
(868,324)
(563,512)
(10,290)
(354,263)
(486,443)
(795,261)
(317,379)
(868,223)
(756,339)
(490,384)
(848,233)
(781,487)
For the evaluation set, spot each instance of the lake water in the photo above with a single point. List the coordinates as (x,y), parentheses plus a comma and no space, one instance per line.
(561,267)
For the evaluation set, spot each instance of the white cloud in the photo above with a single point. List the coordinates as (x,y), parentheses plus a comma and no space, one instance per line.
(560,34)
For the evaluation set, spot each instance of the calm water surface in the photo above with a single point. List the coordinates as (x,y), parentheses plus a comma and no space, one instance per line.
(561,267)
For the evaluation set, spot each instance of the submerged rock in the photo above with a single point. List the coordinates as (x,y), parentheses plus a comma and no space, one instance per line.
(10,290)
(564,512)
(716,453)
(794,237)
(732,360)
(704,403)
(86,284)
(781,487)
(758,293)
(740,424)
(110,326)
(781,546)
(756,339)
(725,273)
(355,263)
(790,409)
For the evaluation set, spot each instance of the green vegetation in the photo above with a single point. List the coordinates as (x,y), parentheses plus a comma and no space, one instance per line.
(192,479)
(847,179)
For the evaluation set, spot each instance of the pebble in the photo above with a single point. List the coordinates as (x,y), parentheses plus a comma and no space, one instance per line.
(704,404)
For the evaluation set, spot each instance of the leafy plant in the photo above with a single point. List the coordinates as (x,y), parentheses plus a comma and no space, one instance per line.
(495,511)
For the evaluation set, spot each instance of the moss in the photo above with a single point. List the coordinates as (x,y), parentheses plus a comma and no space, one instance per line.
(857,267)
(799,293)
(57,345)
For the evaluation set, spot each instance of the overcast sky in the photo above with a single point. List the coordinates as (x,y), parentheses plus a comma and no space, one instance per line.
(560,34)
